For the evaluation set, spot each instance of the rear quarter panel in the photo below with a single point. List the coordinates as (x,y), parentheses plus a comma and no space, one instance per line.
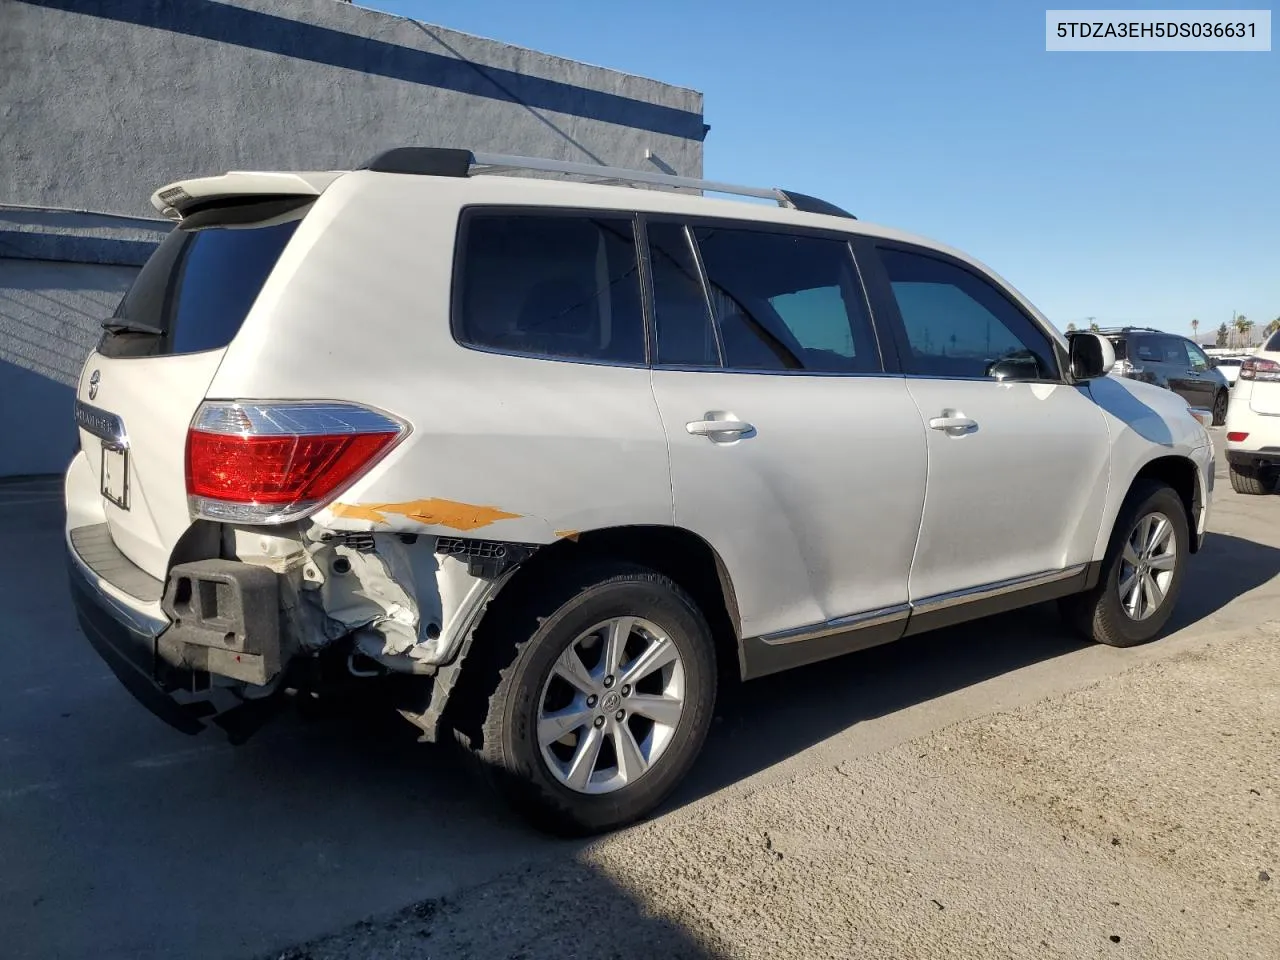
(502,447)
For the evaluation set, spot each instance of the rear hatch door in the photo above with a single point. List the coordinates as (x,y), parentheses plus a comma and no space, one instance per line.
(160,351)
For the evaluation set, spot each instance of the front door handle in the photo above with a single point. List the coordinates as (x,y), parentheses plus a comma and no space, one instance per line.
(719,426)
(953,422)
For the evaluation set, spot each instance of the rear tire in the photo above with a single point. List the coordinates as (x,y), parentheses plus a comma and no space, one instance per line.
(1252,480)
(1142,554)
(524,662)
(1220,408)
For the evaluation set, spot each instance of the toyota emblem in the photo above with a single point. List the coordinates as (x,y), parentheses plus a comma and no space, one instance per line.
(93,384)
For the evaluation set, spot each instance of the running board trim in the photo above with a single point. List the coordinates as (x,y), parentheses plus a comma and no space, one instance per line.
(774,652)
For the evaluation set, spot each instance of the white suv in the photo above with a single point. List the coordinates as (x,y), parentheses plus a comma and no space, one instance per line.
(1253,422)
(542,455)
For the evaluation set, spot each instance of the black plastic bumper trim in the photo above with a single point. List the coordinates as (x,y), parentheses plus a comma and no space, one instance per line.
(131,655)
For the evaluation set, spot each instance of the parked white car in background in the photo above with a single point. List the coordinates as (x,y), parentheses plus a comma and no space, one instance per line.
(1253,422)
(1229,367)
(541,454)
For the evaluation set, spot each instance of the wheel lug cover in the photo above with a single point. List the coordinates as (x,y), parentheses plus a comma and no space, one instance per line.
(608,682)
(622,715)
(599,721)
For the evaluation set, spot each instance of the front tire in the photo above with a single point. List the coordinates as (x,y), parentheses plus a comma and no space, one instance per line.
(1252,480)
(601,703)
(1142,571)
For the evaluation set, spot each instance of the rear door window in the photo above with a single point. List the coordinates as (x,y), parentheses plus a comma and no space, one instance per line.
(551,285)
(787,301)
(196,289)
(686,336)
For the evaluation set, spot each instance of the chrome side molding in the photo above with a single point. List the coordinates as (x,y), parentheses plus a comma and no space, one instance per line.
(857,621)
(988,590)
(902,612)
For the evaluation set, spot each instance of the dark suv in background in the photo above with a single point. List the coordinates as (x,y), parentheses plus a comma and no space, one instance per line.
(1173,362)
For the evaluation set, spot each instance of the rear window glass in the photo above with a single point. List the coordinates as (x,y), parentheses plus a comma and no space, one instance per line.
(198,286)
(553,286)
(1273,343)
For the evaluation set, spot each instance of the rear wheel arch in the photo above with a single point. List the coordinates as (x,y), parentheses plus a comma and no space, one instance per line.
(674,552)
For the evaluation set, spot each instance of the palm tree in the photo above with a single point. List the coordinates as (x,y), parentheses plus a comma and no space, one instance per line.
(1270,328)
(1243,326)
(1071,328)
(1195,326)
(1093,327)
(1223,335)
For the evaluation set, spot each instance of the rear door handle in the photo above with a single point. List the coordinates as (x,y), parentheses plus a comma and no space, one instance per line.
(719,426)
(953,422)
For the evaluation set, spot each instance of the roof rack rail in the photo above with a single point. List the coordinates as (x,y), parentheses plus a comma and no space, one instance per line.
(449,162)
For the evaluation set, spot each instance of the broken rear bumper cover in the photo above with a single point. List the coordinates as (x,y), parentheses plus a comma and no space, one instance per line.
(217,616)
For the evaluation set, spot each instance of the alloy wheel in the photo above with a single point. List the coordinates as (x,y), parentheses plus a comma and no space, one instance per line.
(611,705)
(1147,566)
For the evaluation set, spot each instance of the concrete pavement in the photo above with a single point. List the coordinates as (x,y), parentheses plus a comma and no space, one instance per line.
(122,838)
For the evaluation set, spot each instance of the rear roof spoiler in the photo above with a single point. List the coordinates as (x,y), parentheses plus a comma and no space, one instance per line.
(183,197)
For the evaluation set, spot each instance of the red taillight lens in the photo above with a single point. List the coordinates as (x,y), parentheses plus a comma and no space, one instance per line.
(1257,369)
(1236,436)
(270,463)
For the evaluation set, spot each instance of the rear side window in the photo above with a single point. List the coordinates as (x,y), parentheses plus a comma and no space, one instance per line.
(1150,349)
(1273,343)
(1121,347)
(787,302)
(551,285)
(195,291)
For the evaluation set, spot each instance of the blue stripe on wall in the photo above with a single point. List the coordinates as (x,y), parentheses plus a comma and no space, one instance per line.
(28,245)
(211,20)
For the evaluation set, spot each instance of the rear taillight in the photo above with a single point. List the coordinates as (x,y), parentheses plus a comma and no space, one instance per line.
(1236,436)
(1256,368)
(251,462)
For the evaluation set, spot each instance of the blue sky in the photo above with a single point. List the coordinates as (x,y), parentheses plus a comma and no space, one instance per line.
(1131,187)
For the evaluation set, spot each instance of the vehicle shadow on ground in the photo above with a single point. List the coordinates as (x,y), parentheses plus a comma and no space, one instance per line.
(765,721)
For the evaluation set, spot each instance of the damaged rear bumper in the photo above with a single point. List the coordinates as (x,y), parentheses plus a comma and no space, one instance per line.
(218,617)
(126,640)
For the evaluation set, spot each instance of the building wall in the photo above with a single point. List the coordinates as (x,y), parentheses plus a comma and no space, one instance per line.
(102,101)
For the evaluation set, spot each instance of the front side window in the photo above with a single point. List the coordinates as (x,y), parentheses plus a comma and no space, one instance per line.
(787,302)
(553,286)
(959,325)
(1195,355)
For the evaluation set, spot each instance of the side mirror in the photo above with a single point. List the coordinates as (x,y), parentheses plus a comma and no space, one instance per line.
(1092,355)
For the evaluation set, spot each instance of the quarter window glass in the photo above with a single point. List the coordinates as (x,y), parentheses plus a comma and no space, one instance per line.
(786,302)
(959,325)
(685,334)
(554,286)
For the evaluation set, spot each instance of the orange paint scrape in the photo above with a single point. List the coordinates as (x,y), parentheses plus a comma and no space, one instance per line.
(433,512)
(569,535)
